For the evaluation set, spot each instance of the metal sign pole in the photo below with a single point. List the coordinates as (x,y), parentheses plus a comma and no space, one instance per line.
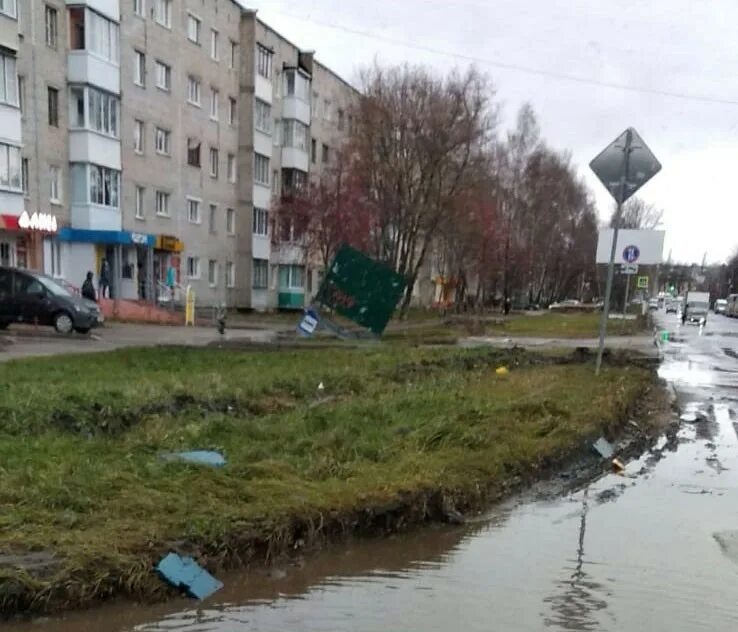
(627,291)
(611,265)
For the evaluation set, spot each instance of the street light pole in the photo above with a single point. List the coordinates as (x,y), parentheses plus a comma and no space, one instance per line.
(611,265)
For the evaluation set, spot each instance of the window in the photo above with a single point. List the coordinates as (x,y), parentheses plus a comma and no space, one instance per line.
(8,80)
(55,184)
(212,272)
(231,111)
(275,182)
(295,134)
(193,28)
(277,135)
(263,61)
(291,277)
(163,141)
(104,186)
(212,219)
(340,120)
(24,175)
(10,167)
(327,115)
(326,154)
(263,116)
(214,44)
(8,8)
(140,193)
(296,85)
(52,27)
(53,100)
(261,222)
(214,160)
(93,32)
(214,99)
(103,110)
(261,274)
(230,221)
(193,152)
(292,181)
(313,151)
(163,76)
(139,68)
(234,54)
(139,8)
(193,267)
(231,167)
(230,274)
(162,203)
(163,12)
(193,211)
(21,93)
(261,169)
(138,137)
(193,90)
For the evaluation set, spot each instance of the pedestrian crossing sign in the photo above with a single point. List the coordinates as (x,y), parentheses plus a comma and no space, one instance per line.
(642,282)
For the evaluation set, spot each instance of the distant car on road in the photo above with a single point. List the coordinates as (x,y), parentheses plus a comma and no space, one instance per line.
(721,306)
(31,297)
(569,303)
(653,303)
(673,305)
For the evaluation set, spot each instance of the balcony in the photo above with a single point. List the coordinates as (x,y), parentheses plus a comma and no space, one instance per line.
(86,67)
(293,158)
(263,88)
(10,124)
(8,32)
(108,8)
(296,108)
(96,217)
(89,146)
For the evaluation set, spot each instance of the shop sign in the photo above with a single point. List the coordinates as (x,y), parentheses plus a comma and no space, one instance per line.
(140,238)
(38,221)
(168,242)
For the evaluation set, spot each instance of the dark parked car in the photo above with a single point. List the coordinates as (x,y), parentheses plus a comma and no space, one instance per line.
(31,297)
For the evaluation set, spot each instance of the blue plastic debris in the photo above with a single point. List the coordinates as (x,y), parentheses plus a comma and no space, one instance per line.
(185,573)
(198,457)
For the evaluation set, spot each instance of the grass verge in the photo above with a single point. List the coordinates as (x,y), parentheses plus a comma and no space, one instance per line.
(396,437)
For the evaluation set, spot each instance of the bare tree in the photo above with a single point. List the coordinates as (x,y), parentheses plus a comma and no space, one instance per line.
(638,214)
(417,138)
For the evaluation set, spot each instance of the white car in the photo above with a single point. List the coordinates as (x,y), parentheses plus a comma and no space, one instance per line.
(721,306)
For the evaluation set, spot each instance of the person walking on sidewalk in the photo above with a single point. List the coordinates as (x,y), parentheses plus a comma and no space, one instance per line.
(105,279)
(88,288)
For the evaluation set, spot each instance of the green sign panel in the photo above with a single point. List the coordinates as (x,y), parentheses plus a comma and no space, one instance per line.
(361,289)
(642,282)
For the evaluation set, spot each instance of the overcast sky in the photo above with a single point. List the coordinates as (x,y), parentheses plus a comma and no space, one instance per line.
(682,47)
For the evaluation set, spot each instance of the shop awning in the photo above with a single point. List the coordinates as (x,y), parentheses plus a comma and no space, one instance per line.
(122,237)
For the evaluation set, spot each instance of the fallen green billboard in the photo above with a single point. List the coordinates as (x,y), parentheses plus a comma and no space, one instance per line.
(361,289)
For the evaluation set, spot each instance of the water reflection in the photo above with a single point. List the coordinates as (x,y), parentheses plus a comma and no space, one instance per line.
(576,606)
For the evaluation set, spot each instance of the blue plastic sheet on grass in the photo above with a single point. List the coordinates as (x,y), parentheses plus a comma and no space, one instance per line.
(186,574)
(197,457)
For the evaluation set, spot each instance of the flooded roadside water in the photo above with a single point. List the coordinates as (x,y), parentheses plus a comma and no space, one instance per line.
(651,550)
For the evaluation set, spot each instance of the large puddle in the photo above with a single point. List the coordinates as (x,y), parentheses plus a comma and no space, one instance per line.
(627,553)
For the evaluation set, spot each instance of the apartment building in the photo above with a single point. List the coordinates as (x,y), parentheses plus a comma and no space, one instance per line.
(162,132)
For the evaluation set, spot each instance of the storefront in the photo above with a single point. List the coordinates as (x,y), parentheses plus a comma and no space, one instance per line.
(22,236)
(168,253)
(128,257)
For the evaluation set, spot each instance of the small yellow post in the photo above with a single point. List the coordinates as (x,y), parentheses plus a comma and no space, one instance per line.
(190,306)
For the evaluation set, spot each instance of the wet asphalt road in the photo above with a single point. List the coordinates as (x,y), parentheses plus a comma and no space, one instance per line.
(655,550)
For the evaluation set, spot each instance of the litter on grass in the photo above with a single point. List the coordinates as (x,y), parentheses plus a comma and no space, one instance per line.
(502,370)
(604,448)
(197,457)
(186,574)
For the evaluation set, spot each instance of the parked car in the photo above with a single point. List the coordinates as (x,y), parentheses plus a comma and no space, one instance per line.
(31,297)
(653,303)
(92,305)
(673,305)
(721,306)
(568,304)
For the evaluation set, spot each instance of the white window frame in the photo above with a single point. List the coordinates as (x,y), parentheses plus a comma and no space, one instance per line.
(55,185)
(232,111)
(164,148)
(163,13)
(262,284)
(231,167)
(51,28)
(139,201)
(139,8)
(213,272)
(214,160)
(212,219)
(162,201)
(214,44)
(163,71)
(194,203)
(260,224)
(262,116)
(139,68)
(264,61)
(9,8)
(233,59)
(194,90)
(139,136)
(194,28)
(11,175)
(8,80)
(230,272)
(193,267)
(264,161)
(108,178)
(230,221)
(214,103)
